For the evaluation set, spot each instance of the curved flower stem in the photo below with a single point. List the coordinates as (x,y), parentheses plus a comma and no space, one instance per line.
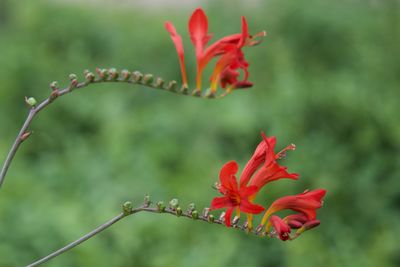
(110,75)
(188,214)
(78,241)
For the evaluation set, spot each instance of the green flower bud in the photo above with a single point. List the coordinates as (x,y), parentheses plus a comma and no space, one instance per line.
(146,201)
(137,76)
(72,77)
(171,86)
(31,101)
(174,203)
(148,79)
(127,207)
(160,206)
(195,214)
(178,211)
(211,218)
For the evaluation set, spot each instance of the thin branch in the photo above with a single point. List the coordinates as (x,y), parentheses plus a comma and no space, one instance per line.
(110,75)
(205,217)
(79,241)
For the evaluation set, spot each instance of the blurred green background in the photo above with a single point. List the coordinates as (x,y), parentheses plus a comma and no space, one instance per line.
(326,78)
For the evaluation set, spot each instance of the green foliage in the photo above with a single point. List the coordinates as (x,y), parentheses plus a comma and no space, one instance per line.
(326,78)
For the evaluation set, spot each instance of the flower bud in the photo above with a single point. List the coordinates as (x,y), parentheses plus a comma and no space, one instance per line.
(72,77)
(54,86)
(206,212)
(159,82)
(147,201)
(30,101)
(89,77)
(195,214)
(174,203)
(171,86)
(211,218)
(127,208)
(25,136)
(113,73)
(137,76)
(148,79)
(126,74)
(160,206)
(184,90)
(178,211)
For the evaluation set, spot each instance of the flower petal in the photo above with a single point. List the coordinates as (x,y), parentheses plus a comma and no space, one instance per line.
(220,202)
(177,40)
(228,170)
(198,28)
(228,215)
(249,207)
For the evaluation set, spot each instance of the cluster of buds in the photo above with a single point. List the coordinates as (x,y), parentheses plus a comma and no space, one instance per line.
(260,170)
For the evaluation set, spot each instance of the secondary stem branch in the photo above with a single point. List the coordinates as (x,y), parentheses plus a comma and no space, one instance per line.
(104,76)
(188,214)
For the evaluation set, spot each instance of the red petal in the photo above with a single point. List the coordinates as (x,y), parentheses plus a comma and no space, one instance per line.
(270,173)
(248,207)
(220,202)
(177,40)
(248,191)
(228,215)
(198,28)
(228,170)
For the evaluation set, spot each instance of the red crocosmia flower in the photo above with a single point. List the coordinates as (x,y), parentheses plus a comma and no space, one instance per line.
(228,47)
(262,166)
(234,198)
(282,229)
(264,160)
(305,203)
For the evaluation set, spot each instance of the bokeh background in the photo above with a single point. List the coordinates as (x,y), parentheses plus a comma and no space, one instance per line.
(326,78)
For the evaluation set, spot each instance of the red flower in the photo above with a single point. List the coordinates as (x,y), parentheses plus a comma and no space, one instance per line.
(228,47)
(234,197)
(281,227)
(270,170)
(265,169)
(305,203)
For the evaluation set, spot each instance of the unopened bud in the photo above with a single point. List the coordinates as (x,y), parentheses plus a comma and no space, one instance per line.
(25,135)
(127,207)
(294,224)
(137,76)
(196,92)
(191,208)
(307,226)
(235,220)
(160,206)
(184,89)
(178,211)
(147,201)
(148,79)
(126,74)
(195,214)
(53,95)
(113,73)
(222,216)
(206,212)
(72,77)
(173,203)
(54,86)
(30,101)
(211,218)
(159,82)
(171,86)
(102,73)
(89,77)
